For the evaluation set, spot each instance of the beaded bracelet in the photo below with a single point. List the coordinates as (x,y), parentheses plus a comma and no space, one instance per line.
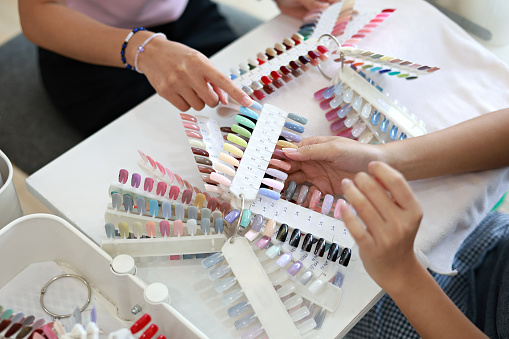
(124,45)
(141,48)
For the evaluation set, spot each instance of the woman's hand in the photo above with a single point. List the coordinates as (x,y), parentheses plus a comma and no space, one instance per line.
(186,77)
(299,8)
(385,203)
(325,161)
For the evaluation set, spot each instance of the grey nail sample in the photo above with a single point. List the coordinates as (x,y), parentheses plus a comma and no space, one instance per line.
(179,211)
(237,309)
(231,297)
(217,214)
(305,277)
(245,321)
(141,205)
(192,212)
(219,272)
(303,194)
(128,203)
(116,201)
(167,209)
(290,190)
(338,279)
(219,225)
(205,226)
(205,213)
(225,284)
(212,260)
(298,118)
(319,318)
(257,223)
(110,230)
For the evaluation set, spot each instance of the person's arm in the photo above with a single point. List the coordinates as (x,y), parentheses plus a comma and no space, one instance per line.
(180,74)
(386,250)
(473,145)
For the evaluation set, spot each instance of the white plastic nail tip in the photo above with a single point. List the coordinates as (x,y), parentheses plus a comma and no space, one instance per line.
(351,119)
(366,110)
(358,128)
(300,314)
(365,137)
(306,326)
(219,272)
(357,103)
(317,286)
(225,284)
(280,278)
(348,96)
(192,226)
(339,88)
(253,332)
(285,290)
(212,260)
(234,295)
(336,102)
(271,267)
(294,301)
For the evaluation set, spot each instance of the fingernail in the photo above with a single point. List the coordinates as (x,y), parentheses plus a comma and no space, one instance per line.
(225,97)
(290,150)
(345,182)
(247,101)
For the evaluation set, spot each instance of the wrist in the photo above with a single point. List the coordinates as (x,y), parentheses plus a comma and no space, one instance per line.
(408,274)
(132,46)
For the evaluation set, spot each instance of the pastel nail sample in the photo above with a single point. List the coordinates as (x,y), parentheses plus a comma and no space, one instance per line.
(294,127)
(286,144)
(229,159)
(196,143)
(128,203)
(137,229)
(281,164)
(327,203)
(188,117)
(295,268)
(305,277)
(233,149)
(220,179)
(270,228)
(284,259)
(192,212)
(153,206)
(315,199)
(276,173)
(277,185)
(164,227)
(257,106)
(246,217)
(166,209)
(297,118)
(269,193)
(241,131)
(192,226)
(232,216)
(257,223)
(110,233)
(219,225)
(205,225)
(244,121)
(263,242)
(151,229)
(179,211)
(250,113)
(237,140)
(116,201)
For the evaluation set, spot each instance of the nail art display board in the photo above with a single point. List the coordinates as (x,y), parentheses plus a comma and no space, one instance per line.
(74,184)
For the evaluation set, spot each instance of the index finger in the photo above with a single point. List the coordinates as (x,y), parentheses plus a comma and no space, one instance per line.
(315,140)
(227,85)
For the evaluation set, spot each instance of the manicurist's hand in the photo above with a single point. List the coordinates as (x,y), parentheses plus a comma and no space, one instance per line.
(186,77)
(324,161)
(299,8)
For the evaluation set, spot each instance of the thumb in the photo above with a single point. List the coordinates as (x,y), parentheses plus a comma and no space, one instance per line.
(314,4)
(310,152)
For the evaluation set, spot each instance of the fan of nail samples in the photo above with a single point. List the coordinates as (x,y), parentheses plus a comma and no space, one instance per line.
(358,109)
(303,293)
(17,325)
(168,215)
(367,61)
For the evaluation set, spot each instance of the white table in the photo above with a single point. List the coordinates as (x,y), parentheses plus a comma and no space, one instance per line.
(75,185)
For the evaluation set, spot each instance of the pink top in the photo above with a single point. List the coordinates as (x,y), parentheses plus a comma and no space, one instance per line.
(130,13)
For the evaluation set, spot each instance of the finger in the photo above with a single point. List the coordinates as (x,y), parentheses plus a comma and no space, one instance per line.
(315,140)
(318,152)
(223,97)
(192,99)
(358,232)
(178,102)
(376,194)
(223,82)
(364,208)
(314,4)
(395,183)
(206,93)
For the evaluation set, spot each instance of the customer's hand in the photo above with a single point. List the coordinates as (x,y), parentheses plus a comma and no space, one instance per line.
(299,8)
(392,214)
(186,77)
(324,161)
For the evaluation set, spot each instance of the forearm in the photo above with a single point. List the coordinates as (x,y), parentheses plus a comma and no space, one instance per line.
(428,309)
(56,27)
(476,144)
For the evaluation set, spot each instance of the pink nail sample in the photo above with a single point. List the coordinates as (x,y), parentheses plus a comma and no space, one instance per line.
(188,185)
(213,204)
(251,235)
(277,185)
(122,176)
(174,192)
(225,207)
(337,211)
(143,156)
(164,227)
(186,196)
(169,174)
(193,134)
(161,188)
(337,125)
(325,104)
(148,184)
(220,179)
(345,133)
(160,167)
(179,180)
(281,164)
(151,229)
(190,125)
(263,242)
(188,117)
(315,199)
(332,114)
(178,228)
(213,189)
(276,173)
(152,162)
(319,94)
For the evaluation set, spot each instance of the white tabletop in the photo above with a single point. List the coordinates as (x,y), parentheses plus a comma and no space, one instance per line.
(75,186)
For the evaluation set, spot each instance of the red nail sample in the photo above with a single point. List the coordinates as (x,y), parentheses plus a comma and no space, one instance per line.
(122,176)
(140,323)
(148,185)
